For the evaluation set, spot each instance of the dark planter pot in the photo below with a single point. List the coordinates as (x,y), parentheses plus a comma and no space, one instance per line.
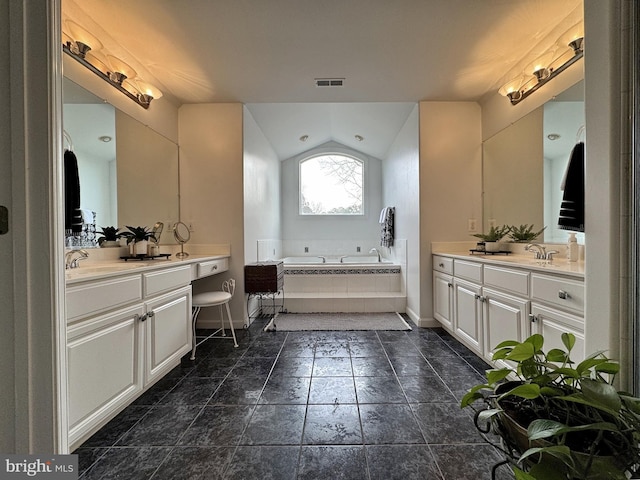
(514,435)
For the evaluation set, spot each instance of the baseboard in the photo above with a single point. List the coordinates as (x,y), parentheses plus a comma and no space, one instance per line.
(422,322)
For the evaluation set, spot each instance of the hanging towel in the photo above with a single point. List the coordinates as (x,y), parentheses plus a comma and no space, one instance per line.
(386,236)
(383,215)
(72,215)
(572,207)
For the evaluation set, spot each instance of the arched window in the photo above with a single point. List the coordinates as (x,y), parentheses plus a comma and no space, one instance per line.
(331,184)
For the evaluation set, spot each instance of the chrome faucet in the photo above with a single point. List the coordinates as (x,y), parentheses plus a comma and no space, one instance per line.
(324,259)
(540,253)
(377,252)
(342,258)
(73,261)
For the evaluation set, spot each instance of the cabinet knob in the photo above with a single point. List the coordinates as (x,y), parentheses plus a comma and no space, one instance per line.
(563,295)
(215,267)
(533,318)
(481,298)
(441,265)
(449,284)
(151,314)
(142,318)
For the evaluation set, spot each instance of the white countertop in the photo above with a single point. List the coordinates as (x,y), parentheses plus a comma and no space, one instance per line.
(93,270)
(559,265)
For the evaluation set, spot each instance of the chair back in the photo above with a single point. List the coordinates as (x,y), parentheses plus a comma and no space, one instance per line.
(229,286)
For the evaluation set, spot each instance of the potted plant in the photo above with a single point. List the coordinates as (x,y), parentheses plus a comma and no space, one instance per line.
(110,237)
(492,238)
(524,233)
(576,425)
(139,237)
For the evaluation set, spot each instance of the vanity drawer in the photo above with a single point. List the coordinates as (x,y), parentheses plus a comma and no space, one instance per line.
(166,280)
(91,298)
(514,281)
(443,264)
(469,270)
(561,292)
(212,267)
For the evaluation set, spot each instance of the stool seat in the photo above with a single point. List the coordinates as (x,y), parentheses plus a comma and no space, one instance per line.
(219,298)
(210,299)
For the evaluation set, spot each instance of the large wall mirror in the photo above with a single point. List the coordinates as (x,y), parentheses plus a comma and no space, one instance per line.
(128,172)
(523,166)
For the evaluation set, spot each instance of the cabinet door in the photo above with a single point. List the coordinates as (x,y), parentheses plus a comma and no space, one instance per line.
(443,299)
(552,323)
(104,368)
(468,314)
(505,317)
(168,332)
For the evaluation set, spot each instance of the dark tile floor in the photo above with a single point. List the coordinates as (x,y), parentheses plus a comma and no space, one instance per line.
(303,405)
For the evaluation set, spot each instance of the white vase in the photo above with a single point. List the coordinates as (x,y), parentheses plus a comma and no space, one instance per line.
(492,246)
(140,248)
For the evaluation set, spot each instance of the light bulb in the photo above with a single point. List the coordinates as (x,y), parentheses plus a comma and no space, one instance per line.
(84,40)
(540,66)
(120,70)
(573,37)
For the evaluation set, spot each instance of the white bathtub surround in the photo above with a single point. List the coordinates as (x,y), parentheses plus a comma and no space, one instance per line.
(292,322)
(269,249)
(332,248)
(335,287)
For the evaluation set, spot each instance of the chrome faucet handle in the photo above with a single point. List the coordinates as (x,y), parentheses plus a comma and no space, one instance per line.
(549,255)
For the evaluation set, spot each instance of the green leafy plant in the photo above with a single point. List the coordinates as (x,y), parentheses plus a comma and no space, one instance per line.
(495,233)
(578,426)
(524,233)
(109,234)
(138,234)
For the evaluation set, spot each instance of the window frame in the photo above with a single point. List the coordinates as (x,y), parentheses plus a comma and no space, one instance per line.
(360,160)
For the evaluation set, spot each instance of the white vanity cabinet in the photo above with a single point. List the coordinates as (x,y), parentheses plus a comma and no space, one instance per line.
(558,307)
(491,301)
(123,334)
(443,290)
(467,304)
(505,295)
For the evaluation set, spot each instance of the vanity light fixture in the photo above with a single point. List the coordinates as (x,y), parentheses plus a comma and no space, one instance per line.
(568,50)
(88,50)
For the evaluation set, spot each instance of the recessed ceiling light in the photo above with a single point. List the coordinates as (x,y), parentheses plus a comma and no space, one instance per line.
(304,138)
(553,136)
(105,138)
(359,138)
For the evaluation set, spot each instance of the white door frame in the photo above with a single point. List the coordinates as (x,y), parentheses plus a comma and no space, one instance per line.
(33,402)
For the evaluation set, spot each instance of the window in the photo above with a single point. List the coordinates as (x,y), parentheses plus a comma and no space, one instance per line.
(331,185)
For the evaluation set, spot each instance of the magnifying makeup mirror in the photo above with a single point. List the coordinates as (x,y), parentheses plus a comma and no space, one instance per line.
(182,235)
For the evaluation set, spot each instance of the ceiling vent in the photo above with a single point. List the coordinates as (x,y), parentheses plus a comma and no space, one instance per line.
(329,82)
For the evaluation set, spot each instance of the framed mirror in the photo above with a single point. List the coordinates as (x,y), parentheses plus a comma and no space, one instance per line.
(523,165)
(128,172)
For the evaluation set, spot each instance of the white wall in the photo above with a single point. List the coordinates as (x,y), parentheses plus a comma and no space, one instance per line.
(211,191)
(401,188)
(261,189)
(450,181)
(342,233)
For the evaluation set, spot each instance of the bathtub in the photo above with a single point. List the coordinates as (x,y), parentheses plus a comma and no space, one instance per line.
(340,260)
(358,283)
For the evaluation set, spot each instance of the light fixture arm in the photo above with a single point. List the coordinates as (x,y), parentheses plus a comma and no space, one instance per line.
(578,54)
(142,100)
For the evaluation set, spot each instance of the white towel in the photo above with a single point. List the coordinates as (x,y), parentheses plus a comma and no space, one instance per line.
(383,215)
(88,216)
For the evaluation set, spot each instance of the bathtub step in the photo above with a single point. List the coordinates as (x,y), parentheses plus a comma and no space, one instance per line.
(305,302)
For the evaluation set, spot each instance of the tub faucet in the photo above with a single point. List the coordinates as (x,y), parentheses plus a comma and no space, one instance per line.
(342,258)
(377,252)
(73,257)
(324,259)
(540,253)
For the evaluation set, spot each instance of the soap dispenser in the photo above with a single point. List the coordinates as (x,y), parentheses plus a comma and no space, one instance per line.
(572,248)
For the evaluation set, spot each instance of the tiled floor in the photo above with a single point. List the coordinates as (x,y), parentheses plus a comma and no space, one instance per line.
(303,405)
